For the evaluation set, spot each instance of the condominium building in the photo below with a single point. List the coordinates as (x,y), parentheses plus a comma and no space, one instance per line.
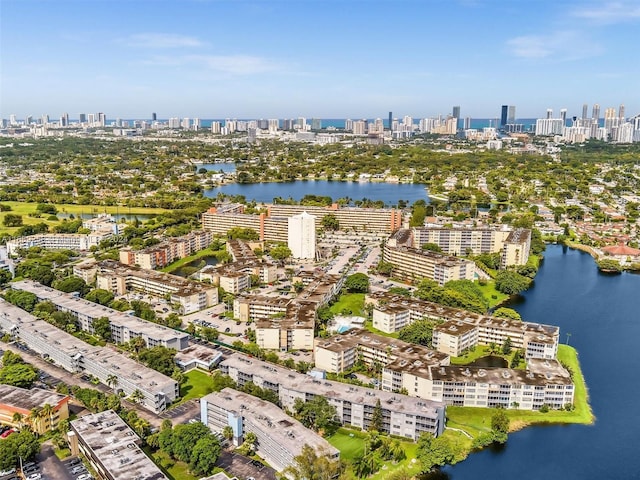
(279,437)
(124,326)
(112,448)
(16,400)
(515,250)
(167,252)
(192,296)
(402,415)
(301,236)
(110,367)
(412,264)
(341,352)
(58,241)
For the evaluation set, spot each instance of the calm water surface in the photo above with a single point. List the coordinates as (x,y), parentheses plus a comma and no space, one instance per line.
(602,314)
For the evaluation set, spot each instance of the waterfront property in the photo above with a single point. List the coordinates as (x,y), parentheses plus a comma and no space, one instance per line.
(112,448)
(110,367)
(23,402)
(413,264)
(402,415)
(124,326)
(280,438)
(58,241)
(119,279)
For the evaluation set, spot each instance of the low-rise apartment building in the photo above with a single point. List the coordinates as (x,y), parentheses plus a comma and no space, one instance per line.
(118,279)
(412,264)
(124,326)
(16,400)
(110,367)
(112,448)
(280,438)
(402,415)
(58,241)
(168,251)
(341,352)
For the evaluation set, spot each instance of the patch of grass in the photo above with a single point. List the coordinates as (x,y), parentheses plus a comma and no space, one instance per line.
(369,326)
(349,442)
(207,252)
(489,291)
(353,303)
(62,453)
(197,384)
(471,356)
(173,469)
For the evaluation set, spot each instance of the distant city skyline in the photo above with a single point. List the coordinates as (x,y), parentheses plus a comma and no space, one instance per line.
(280,59)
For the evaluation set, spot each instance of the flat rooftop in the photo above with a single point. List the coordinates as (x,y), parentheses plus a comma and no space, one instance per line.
(73,303)
(292,380)
(283,429)
(114,444)
(198,352)
(540,375)
(17,398)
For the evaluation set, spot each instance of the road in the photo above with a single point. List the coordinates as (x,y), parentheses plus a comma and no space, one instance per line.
(50,466)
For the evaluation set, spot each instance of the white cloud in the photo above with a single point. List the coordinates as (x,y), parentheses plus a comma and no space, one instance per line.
(609,12)
(229,64)
(162,40)
(557,46)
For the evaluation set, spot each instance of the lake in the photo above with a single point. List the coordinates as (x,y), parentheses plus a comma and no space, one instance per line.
(389,193)
(602,315)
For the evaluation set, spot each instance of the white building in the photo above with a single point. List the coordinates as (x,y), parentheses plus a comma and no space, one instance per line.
(301,235)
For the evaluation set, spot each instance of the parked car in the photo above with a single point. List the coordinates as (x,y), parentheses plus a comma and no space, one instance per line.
(4,473)
(85,476)
(34,476)
(7,433)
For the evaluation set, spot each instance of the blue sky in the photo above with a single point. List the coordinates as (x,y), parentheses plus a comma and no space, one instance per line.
(327,59)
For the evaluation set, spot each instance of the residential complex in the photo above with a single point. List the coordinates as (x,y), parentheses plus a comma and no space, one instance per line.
(280,438)
(342,352)
(402,415)
(119,279)
(107,365)
(235,277)
(273,225)
(167,252)
(288,324)
(124,326)
(16,400)
(461,329)
(513,244)
(412,264)
(112,448)
(301,236)
(58,241)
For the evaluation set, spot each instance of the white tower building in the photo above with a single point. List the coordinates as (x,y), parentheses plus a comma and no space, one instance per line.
(301,236)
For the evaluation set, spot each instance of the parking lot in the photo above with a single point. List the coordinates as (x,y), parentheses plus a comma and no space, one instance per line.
(183,413)
(244,467)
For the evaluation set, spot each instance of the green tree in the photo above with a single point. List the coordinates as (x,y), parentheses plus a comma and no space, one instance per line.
(221,381)
(313,465)
(10,358)
(510,282)
(316,414)
(159,358)
(241,233)
(376,418)
(418,213)
(205,454)
(419,332)
(102,328)
(432,247)
(358,282)
(506,346)
(71,284)
(25,300)
(500,425)
(330,222)
(23,444)
(19,375)
(12,220)
(280,253)
(504,312)
(99,295)
(433,452)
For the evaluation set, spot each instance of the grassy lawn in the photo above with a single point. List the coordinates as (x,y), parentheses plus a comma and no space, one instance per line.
(25,208)
(489,291)
(349,302)
(478,352)
(349,442)
(172,469)
(62,453)
(369,326)
(197,384)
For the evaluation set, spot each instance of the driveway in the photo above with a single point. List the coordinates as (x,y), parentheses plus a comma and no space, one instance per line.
(50,466)
(184,412)
(242,467)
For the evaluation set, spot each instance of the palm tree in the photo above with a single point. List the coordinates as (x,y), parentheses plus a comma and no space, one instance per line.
(47,412)
(17,419)
(137,396)
(227,432)
(34,419)
(112,381)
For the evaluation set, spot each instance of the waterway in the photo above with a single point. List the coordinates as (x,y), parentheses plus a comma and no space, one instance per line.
(600,315)
(389,193)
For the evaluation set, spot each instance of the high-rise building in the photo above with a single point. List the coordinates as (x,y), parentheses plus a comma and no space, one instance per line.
(215,127)
(390,120)
(197,124)
(585,109)
(301,235)
(549,113)
(13,120)
(45,119)
(273,124)
(186,123)
(64,120)
(348,125)
(504,113)
(511,115)
(174,122)
(596,112)
(467,123)
(154,117)
(456,112)
(359,127)
(316,124)
(563,116)
(82,117)
(102,119)
(621,112)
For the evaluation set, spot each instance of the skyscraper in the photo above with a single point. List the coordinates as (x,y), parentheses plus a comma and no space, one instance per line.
(549,113)
(390,120)
(596,111)
(511,116)
(563,116)
(504,113)
(154,117)
(585,109)
(456,112)
(621,112)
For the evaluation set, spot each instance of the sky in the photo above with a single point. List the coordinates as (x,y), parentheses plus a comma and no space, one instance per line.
(313,58)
